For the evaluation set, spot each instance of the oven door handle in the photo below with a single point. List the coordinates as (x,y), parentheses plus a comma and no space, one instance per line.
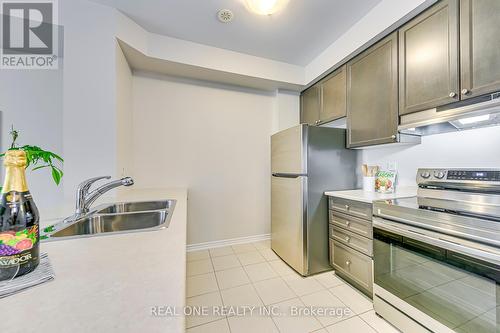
(426,237)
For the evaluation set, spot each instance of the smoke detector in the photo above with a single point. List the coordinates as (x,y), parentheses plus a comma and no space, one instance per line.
(225,15)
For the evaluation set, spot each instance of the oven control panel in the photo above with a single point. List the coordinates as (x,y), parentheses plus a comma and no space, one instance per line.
(457,175)
(474,175)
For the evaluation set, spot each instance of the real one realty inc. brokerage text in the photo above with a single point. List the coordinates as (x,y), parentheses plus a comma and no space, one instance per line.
(271,310)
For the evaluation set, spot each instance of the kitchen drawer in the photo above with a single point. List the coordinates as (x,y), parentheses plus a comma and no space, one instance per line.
(352,265)
(355,241)
(351,223)
(351,207)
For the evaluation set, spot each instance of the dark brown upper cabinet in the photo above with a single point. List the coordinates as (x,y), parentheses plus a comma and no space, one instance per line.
(333,96)
(310,104)
(479,47)
(372,95)
(326,100)
(429,58)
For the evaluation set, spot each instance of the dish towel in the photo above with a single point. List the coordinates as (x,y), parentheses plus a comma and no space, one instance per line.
(43,273)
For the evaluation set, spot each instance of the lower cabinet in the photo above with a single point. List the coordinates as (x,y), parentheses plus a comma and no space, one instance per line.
(353,265)
(351,244)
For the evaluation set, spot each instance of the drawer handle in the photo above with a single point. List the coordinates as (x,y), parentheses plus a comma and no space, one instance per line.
(347,207)
(347,223)
(347,239)
(348,263)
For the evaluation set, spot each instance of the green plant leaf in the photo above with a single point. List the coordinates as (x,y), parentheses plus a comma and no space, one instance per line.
(56,176)
(60,171)
(38,158)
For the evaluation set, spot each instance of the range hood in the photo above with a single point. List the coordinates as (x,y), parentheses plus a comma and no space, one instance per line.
(477,112)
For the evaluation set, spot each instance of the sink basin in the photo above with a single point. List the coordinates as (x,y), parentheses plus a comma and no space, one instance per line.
(116,218)
(128,207)
(98,224)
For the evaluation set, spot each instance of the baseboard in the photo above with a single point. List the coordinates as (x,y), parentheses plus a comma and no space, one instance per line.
(227,242)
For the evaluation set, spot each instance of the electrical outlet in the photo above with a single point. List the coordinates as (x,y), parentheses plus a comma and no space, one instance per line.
(392,166)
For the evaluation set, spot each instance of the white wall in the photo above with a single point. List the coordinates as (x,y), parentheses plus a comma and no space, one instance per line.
(287,110)
(478,148)
(213,140)
(124,115)
(31,100)
(89,121)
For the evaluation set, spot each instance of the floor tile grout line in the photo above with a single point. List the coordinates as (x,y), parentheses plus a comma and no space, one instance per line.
(211,263)
(219,292)
(329,290)
(216,280)
(366,322)
(187,253)
(301,301)
(208,322)
(256,293)
(204,293)
(271,317)
(210,254)
(322,288)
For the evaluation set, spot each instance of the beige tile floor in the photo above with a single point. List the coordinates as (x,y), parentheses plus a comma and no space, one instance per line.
(252,275)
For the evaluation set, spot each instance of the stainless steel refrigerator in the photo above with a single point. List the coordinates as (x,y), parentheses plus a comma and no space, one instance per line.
(306,161)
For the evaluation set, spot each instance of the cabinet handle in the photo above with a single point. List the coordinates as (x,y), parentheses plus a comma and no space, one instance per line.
(465,91)
(347,223)
(347,263)
(453,94)
(347,239)
(347,207)
(393,137)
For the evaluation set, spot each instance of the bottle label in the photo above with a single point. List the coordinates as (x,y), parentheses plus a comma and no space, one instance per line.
(18,248)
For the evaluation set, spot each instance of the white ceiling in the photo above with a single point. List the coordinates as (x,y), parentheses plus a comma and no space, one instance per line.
(296,35)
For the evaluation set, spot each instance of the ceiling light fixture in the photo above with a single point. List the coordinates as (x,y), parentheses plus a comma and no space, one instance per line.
(472,120)
(265,7)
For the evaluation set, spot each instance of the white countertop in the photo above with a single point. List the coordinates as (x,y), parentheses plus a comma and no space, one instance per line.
(369,197)
(109,283)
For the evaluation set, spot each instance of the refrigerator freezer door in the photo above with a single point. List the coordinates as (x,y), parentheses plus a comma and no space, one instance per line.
(288,151)
(288,220)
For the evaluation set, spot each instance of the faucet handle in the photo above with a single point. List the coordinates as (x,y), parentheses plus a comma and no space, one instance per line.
(85,185)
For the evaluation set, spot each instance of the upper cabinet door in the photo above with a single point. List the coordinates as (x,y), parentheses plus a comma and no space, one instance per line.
(372,95)
(479,47)
(428,58)
(334,96)
(310,105)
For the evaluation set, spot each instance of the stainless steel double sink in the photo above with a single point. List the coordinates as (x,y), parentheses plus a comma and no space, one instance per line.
(107,219)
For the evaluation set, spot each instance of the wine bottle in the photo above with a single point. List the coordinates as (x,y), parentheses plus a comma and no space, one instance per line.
(19,218)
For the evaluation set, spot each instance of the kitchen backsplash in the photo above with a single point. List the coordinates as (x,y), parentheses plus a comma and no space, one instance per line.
(479,148)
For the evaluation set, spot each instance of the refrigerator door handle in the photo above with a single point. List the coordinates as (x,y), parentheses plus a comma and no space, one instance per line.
(288,175)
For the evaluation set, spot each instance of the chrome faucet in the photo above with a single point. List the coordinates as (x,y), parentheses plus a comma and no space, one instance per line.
(84,198)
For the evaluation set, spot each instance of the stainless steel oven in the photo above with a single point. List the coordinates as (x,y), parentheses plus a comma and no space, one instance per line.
(438,269)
